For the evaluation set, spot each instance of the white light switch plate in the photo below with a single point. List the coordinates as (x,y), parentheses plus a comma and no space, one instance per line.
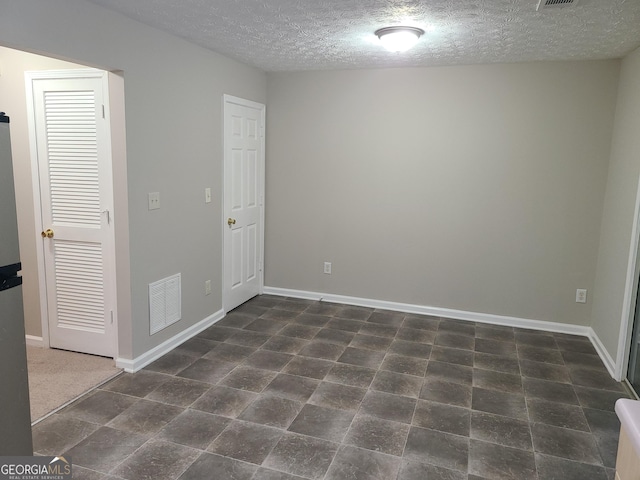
(207,195)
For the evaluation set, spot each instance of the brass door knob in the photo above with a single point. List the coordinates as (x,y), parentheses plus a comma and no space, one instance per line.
(231,221)
(48,233)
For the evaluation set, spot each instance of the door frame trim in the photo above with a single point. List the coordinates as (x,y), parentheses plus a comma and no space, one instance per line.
(30,76)
(230,99)
(630,296)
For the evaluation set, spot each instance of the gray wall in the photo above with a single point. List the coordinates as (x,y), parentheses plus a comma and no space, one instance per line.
(619,205)
(477,188)
(173,93)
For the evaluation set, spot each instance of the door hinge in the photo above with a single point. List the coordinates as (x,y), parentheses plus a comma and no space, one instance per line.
(103,112)
(111,317)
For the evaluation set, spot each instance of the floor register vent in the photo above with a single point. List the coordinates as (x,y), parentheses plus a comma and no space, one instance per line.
(165,306)
(555,3)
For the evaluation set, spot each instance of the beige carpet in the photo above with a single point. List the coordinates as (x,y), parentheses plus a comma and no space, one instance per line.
(57,377)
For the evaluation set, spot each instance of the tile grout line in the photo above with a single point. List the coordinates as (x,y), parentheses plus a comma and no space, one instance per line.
(526,406)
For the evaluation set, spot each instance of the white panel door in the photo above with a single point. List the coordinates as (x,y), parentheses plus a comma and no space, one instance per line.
(243,200)
(74,163)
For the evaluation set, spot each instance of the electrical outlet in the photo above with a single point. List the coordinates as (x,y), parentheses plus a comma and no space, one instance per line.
(154,200)
(581,295)
(327,268)
(207,287)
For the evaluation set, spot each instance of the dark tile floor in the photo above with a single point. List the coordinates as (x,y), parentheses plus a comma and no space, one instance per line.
(285,389)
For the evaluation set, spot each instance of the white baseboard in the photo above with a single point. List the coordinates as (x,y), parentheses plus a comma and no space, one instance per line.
(457,314)
(435,311)
(603,353)
(149,356)
(34,341)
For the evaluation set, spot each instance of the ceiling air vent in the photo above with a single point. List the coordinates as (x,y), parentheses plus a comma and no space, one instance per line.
(555,3)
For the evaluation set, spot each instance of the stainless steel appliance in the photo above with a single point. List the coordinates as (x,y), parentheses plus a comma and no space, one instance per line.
(15,419)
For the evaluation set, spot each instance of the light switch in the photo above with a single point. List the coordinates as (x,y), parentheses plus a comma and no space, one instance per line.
(154,200)
(207,195)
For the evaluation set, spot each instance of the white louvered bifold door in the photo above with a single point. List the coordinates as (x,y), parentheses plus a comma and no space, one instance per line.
(74,164)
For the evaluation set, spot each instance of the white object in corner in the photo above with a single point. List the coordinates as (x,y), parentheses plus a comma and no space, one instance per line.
(628,412)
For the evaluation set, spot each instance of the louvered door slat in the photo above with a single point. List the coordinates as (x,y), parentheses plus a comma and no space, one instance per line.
(79,286)
(73,167)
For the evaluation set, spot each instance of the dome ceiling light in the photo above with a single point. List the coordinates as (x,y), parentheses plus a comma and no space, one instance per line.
(399,39)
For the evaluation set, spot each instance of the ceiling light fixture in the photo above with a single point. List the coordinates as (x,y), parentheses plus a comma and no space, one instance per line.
(399,39)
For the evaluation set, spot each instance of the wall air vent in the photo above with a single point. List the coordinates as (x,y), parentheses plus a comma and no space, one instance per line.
(165,305)
(556,3)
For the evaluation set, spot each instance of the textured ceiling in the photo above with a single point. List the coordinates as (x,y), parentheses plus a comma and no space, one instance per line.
(289,35)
